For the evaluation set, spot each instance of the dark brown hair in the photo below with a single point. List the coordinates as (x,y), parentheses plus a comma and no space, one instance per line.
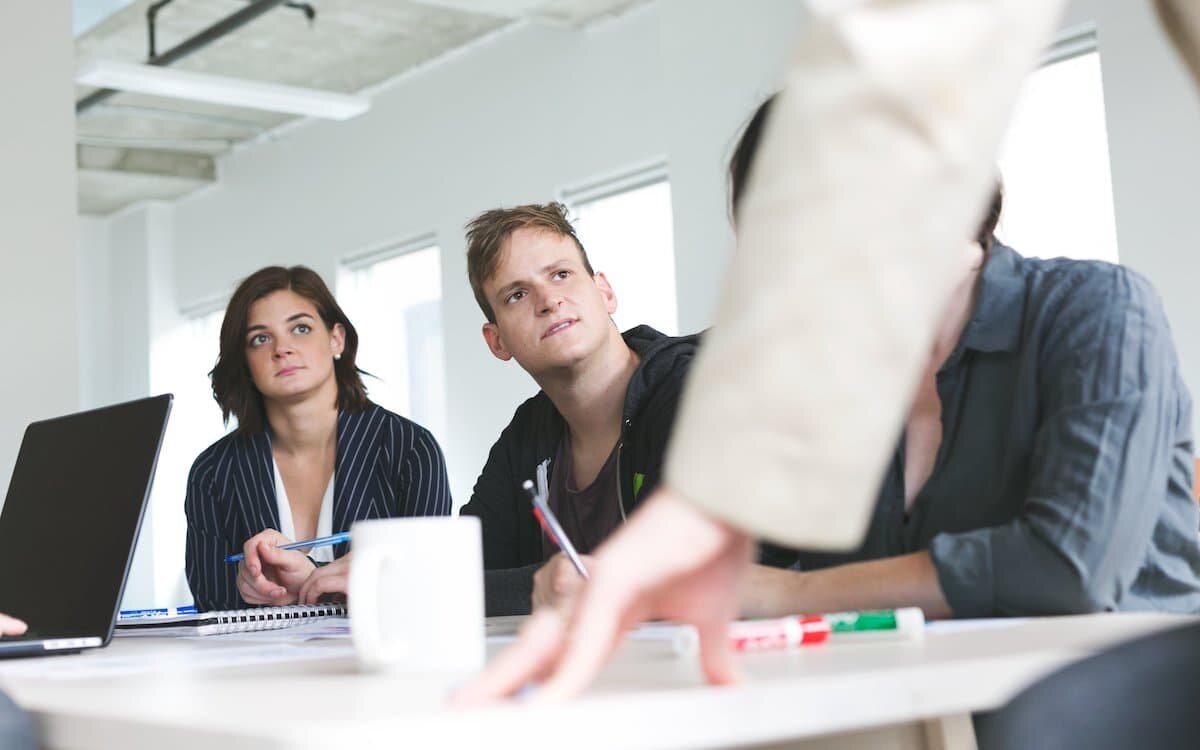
(747,146)
(234,389)
(986,234)
(743,154)
(488,232)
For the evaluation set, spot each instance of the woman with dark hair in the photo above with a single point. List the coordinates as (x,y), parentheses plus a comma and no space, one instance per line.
(311,454)
(1045,463)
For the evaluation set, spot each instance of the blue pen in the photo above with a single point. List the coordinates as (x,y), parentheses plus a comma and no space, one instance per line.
(320,541)
(156,612)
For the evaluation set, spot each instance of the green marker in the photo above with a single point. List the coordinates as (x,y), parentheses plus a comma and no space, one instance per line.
(906,622)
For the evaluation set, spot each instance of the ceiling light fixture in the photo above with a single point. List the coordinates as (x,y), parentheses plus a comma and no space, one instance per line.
(235,92)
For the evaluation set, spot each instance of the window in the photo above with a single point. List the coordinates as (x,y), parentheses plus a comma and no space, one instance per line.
(393,298)
(625,225)
(181,361)
(1054,161)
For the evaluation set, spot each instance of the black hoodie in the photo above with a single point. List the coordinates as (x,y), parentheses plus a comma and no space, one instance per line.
(511,537)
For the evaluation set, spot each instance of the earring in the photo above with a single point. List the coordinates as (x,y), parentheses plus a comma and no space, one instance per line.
(338,355)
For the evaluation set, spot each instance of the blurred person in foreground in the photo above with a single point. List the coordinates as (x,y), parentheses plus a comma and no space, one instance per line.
(903,106)
(1049,440)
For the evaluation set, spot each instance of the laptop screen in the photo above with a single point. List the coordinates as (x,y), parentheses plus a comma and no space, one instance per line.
(71,517)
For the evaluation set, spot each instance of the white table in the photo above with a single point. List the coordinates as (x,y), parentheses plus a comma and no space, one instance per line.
(891,694)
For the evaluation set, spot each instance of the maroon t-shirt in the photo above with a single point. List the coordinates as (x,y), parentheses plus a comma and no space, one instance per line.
(589,515)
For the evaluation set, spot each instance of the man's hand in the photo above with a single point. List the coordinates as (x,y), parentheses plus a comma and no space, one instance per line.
(11,626)
(557,581)
(269,575)
(333,578)
(671,561)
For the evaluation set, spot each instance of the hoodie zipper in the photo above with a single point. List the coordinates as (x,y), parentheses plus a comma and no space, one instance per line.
(625,426)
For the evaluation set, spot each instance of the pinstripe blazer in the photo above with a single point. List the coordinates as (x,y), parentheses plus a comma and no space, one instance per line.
(386,466)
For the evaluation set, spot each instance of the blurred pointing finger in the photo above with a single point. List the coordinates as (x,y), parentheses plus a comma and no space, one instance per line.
(595,632)
(536,650)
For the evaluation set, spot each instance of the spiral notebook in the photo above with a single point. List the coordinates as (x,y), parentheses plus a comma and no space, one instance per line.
(187,621)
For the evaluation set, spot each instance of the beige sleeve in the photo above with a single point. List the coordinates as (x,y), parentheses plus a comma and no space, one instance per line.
(876,163)
(1181,18)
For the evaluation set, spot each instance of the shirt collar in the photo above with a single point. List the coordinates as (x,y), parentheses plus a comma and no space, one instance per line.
(995,325)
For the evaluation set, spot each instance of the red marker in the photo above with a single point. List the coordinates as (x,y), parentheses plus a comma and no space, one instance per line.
(748,636)
(774,635)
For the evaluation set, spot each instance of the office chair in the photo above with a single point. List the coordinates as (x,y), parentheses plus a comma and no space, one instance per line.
(1142,694)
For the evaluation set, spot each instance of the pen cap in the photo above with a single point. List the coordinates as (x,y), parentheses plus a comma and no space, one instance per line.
(910,621)
(906,622)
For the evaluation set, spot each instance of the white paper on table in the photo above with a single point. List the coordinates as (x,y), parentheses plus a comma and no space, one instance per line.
(101,664)
(970,626)
(681,638)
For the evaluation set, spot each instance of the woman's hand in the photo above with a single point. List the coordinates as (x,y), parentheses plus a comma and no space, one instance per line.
(333,578)
(269,575)
(11,626)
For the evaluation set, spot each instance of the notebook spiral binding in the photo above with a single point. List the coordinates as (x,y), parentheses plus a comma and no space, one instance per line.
(218,622)
(266,618)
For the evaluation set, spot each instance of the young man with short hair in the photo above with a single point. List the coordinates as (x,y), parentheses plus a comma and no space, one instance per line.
(601,421)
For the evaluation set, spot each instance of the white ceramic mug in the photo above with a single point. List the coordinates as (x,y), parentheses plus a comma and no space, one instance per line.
(416,594)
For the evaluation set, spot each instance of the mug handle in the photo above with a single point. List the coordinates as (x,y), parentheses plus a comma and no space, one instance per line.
(364,603)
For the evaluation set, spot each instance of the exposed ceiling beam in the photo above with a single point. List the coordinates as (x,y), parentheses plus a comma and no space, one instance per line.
(147,162)
(113,178)
(190,45)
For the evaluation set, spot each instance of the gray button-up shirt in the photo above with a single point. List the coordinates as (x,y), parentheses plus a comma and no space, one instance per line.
(1063,482)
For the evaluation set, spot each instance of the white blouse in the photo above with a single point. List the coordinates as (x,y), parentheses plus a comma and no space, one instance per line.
(287,526)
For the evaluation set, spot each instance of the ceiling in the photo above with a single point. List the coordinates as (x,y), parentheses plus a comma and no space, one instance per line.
(135,147)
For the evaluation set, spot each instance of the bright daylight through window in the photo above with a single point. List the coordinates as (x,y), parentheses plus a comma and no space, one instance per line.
(1057,184)
(181,363)
(628,235)
(396,305)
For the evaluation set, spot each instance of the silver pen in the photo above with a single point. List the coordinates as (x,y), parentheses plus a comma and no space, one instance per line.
(554,530)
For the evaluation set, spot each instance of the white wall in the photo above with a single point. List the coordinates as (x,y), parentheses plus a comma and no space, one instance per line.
(523,115)
(97,320)
(127,299)
(1153,119)
(38,234)
(720,61)
(532,110)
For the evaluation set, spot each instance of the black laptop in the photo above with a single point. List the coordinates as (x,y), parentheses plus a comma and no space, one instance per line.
(70,523)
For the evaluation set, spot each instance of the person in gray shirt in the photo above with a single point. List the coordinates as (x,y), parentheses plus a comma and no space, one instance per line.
(1054,471)
(16,727)
(1046,464)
